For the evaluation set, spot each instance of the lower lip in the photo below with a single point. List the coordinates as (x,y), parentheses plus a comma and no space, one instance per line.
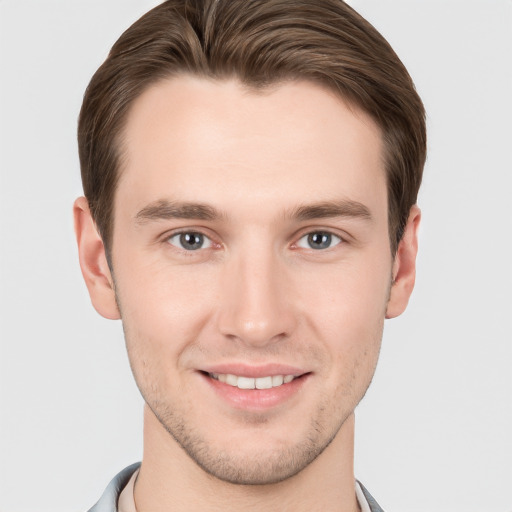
(256,399)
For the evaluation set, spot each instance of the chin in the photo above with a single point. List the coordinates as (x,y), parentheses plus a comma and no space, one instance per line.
(262,468)
(261,461)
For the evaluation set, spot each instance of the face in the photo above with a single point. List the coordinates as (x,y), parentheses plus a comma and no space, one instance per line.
(252,268)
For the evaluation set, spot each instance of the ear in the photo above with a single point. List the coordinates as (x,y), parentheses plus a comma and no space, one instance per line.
(404,266)
(93,262)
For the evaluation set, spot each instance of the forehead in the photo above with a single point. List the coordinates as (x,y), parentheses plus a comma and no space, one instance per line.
(188,136)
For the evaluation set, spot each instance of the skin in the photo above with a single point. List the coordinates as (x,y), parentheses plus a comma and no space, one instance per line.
(255,293)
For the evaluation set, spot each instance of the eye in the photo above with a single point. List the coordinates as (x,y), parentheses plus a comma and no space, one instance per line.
(190,241)
(319,240)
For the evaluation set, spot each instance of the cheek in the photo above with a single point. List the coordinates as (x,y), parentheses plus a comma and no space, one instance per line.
(346,310)
(348,296)
(163,309)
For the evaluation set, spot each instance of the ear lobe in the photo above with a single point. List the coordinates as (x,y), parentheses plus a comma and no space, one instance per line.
(93,262)
(404,266)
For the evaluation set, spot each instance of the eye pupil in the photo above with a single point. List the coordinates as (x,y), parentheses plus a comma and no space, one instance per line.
(191,241)
(319,240)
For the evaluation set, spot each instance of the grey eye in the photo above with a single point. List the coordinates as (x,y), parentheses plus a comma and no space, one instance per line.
(319,240)
(190,241)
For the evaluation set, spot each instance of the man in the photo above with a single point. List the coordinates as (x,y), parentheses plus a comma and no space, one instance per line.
(250,172)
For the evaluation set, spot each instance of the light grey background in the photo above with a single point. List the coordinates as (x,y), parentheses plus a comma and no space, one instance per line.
(434,432)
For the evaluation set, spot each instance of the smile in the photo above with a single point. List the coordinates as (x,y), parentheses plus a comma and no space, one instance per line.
(269,382)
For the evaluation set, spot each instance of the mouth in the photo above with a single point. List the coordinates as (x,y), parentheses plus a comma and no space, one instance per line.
(256,387)
(241,382)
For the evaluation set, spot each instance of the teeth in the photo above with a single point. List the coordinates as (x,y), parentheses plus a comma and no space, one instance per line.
(277,380)
(232,380)
(252,382)
(263,382)
(245,382)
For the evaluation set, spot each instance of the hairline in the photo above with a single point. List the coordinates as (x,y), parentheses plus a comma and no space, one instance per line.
(120,143)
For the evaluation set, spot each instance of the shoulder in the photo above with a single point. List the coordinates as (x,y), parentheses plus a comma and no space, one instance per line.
(373,506)
(108,500)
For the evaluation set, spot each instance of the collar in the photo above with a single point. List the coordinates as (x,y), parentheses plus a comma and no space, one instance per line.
(126,502)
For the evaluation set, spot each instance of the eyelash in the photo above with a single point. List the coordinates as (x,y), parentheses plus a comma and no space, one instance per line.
(211,244)
(324,234)
(190,232)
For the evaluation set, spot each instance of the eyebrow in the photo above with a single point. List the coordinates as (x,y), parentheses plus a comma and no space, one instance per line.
(164,209)
(328,209)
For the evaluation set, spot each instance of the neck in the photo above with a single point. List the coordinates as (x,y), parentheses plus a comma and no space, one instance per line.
(170,480)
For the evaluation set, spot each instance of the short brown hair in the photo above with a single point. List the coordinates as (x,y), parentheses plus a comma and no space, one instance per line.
(261,42)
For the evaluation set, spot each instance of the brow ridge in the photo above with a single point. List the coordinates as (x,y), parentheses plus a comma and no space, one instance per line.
(328,209)
(164,209)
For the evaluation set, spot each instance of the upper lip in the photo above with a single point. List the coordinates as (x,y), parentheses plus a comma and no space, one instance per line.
(246,370)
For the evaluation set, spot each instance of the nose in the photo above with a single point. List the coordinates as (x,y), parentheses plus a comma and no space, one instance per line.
(256,301)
